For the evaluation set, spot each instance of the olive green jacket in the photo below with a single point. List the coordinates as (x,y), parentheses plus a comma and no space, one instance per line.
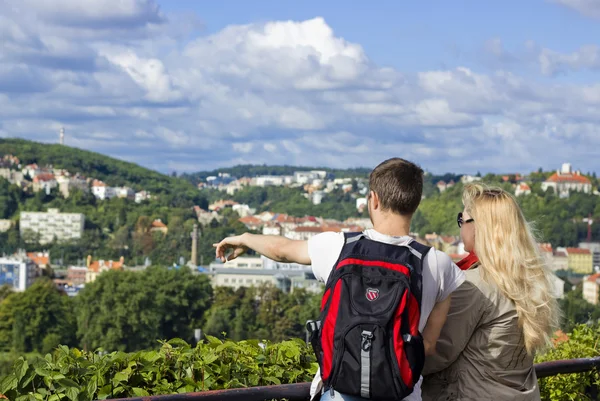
(480,354)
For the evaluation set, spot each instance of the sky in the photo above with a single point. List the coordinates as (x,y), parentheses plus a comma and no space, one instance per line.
(184,85)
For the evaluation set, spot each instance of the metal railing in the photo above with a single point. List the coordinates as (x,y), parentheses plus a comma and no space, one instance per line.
(300,391)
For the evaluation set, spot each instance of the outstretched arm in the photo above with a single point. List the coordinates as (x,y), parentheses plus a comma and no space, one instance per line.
(274,247)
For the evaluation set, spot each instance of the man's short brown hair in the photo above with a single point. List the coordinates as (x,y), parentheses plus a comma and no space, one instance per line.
(399,185)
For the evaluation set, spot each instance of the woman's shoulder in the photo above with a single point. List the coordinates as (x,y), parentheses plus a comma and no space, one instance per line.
(487,289)
(475,277)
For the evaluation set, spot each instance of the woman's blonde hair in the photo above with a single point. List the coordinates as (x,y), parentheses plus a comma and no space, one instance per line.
(510,258)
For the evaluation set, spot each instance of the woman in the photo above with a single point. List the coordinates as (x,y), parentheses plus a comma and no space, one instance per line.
(502,314)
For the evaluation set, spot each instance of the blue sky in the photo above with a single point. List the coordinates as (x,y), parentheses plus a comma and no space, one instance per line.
(184,85)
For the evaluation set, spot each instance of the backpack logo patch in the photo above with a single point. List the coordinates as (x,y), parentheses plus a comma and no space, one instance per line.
(372,294)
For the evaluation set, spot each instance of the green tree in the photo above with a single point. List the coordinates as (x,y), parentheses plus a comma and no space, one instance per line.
(129,311)
(29,317)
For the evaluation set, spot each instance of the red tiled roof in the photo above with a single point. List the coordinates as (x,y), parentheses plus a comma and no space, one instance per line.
(524,187)
(98,183)
(283,218)
(593,277)
(250,220)
(39,258)
(546,247)
(579,251)
(158,224)
(578,178)
(43,177)
(95,266)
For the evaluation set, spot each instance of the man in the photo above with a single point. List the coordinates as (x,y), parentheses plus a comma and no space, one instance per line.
(396,187)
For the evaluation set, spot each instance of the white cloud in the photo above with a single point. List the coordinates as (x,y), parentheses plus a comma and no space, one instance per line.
(289,92)
(588,8)
(586,57)
(92,13)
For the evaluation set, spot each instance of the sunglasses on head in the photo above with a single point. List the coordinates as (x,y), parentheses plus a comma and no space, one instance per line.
(460,221)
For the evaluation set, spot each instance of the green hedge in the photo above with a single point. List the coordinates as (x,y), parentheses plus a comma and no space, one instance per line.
(175,368)
(582,343)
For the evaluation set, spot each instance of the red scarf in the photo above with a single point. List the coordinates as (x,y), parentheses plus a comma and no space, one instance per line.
(467,262)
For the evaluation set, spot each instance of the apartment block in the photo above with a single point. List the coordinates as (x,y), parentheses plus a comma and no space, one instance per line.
(45,227)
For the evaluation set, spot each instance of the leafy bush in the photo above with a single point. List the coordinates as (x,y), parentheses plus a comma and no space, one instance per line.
(176,368)
(582,343)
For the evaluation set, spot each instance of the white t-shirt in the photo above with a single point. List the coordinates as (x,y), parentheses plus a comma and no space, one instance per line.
(440,278)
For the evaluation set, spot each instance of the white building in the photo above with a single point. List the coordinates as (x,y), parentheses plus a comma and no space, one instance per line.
(17,271)
(522,189)
(566,180)
(285,280)
(243,210)
(269,180)
(124,192)
(102,191)
(317,197)
(5,225)
(467,179)
(243,262)
(53,224)
(142,196)
(558,286)
(361,204)
(307,177)
(591,288)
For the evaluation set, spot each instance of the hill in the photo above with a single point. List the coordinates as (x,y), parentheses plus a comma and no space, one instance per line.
(112,171)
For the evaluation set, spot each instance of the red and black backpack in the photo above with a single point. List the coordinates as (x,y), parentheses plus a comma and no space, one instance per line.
(367,338)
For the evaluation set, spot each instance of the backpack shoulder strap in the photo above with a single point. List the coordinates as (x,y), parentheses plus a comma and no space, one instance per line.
(353,237)
(418,249)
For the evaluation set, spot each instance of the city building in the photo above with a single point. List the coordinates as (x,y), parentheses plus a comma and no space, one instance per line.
(566,180)
(41,259)
(158,226)
(243,210)
(272,180)
(580,260)
(285,280)
(67,184)
(361,204)
(242,262)
(76,275)
(45,227)
(560,261)
(142,196)
(5,225)
(124,192)
(594,248)
(522,189)
(44,182)
(102,191)
(95,268)
(17,271)
(591,286)
(558,286)
(252,222)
